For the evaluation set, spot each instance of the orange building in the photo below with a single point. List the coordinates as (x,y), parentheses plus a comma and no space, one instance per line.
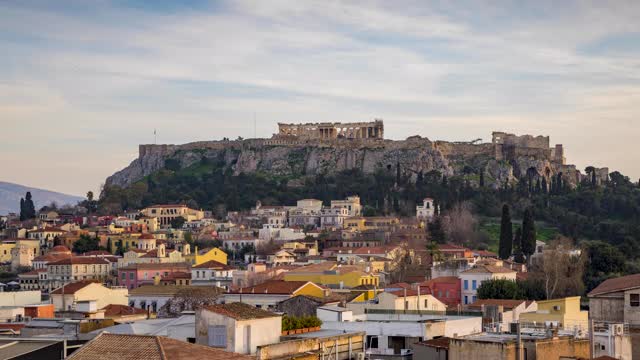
(39,311)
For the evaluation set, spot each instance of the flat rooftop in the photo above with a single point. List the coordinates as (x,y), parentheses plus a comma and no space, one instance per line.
(324,333)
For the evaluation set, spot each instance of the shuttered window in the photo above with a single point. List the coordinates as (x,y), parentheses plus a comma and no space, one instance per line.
(218,336)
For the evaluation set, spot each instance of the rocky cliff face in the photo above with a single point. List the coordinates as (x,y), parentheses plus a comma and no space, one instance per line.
(296,160)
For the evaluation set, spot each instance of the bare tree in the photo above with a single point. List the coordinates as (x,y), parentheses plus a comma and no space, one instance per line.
(459,224)
(189,299)
(561,269)
(405,262)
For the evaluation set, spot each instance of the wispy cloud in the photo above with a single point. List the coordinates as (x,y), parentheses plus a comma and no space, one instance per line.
(87,82)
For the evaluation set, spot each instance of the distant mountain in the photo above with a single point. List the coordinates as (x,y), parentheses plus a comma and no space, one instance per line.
(10,195)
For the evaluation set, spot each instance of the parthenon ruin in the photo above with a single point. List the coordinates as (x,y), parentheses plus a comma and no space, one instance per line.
(359,130)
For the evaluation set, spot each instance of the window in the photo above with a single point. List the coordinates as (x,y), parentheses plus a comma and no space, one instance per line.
(425,303)
(466,300)
(474,285)
(131,275)
(446,293)
(124,276)
(218,336)
(634,300)
(473,298)
(466,285)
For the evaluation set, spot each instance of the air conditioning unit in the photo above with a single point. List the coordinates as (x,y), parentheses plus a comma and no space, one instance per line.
(556,308)
(360,356)
(618,329)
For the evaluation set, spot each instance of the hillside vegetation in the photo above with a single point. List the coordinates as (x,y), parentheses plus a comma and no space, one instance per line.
(606,214)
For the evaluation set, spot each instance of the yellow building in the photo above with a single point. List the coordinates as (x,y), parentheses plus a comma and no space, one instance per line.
(204,255)
(563,312)
(360,223)
(166,213)
(124,241)
(5,251)
(7,245)
(333,275)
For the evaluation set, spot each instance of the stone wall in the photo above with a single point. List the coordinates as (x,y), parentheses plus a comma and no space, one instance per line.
(528,141)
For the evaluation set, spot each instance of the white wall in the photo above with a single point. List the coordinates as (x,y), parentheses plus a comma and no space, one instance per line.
(258,332)
(19,298)
(326,313)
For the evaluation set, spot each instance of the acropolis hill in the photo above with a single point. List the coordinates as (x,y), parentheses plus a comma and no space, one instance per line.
(300,150)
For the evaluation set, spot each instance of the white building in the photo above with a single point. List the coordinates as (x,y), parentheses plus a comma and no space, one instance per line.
(425,211)
(351,204)
(280,234)
(237,327)
(471,279)
(240,242)
(212,273)
(333,217)
(306,213)
(389,333)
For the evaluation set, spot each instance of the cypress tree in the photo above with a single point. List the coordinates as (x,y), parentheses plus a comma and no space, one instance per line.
(30,208)
(528,233)
(517,246)
(23,213)
(593,179)
(481,178)
(436,231)
(559,183)
(544,186)
(506,233)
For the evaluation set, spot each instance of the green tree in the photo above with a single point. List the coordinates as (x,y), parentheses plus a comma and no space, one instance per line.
(528,233)
(85,244)
(481,182)
(27,208)
(498,289)
(517,247)
(177,222)
(436,231)
(506,233)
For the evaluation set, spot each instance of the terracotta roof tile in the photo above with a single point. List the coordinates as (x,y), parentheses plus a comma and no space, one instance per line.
(78,260)
(488,269)
(74,287)
(212,264)
(616,284)
(274,287)
(506,303)
(150,266)
(141,347)
(240,311)
(121,310)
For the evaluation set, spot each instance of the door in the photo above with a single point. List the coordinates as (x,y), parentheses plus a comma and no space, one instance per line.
(247,339)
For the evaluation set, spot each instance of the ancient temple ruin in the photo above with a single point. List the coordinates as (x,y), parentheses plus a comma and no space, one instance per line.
(334,130)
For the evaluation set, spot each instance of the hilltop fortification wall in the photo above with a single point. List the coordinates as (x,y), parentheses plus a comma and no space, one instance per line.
(505,158)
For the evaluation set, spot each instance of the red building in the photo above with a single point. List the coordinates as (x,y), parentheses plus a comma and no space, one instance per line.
(445,289)
(136,275)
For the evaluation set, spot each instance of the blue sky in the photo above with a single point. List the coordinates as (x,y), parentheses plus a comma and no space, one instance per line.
(82,83)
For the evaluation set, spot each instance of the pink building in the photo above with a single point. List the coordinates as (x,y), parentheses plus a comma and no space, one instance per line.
(445,289)
(135,275)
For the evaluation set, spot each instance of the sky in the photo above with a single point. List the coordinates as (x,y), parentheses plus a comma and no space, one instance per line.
(82,83)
